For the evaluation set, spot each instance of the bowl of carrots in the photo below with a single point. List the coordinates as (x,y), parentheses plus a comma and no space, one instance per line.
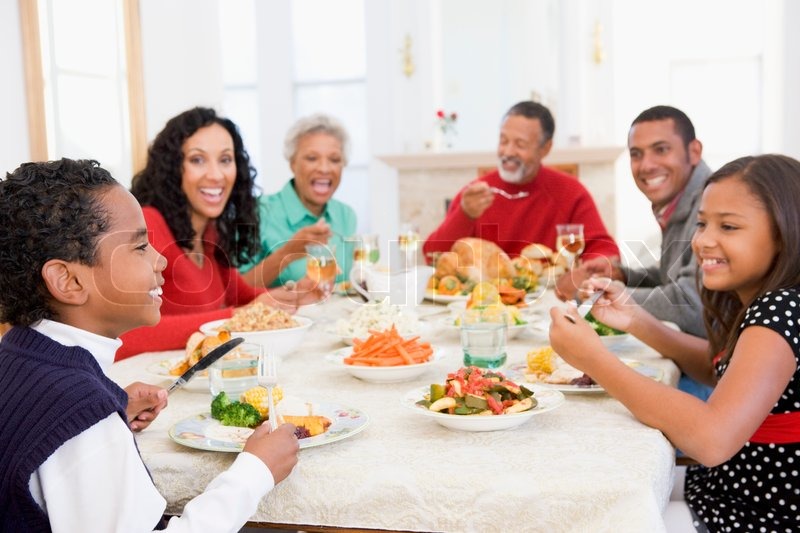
(385,357)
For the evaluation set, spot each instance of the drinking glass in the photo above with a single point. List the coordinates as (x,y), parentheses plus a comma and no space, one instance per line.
(365,252)
(408,242)
(570,242)
(321,266)
(236,372)
(366,248)
(483,337)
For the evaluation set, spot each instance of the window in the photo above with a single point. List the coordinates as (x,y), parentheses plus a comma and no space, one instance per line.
(84,95)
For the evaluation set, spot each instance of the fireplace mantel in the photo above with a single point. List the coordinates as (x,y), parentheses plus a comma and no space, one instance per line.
(426,181)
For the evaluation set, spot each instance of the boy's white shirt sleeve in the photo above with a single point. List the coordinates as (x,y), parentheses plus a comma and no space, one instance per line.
(97,481)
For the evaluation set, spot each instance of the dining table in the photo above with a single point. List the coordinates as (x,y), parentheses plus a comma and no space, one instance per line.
(587,465)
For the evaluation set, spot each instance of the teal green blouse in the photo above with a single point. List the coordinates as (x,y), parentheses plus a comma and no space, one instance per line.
(281,216)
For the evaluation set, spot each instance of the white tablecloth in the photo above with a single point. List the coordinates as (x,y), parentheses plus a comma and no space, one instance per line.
(585,466)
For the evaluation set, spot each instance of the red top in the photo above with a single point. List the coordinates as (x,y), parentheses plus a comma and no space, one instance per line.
(554,198)
(192,295)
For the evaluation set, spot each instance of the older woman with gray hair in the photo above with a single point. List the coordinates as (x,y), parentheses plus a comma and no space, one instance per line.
(304,212)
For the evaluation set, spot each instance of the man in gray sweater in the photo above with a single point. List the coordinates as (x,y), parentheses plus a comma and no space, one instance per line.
(667,166)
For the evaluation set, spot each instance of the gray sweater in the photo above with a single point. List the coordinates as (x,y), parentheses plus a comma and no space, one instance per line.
(668,290)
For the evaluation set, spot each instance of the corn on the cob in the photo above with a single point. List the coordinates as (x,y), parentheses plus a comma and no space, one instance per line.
(542,360)
(257,397)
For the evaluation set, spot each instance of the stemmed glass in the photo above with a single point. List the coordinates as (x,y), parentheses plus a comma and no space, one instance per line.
(321,266)
(408,242)
(570,242)
(365,252)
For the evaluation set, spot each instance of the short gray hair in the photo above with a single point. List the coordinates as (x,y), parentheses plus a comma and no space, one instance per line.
(318,123)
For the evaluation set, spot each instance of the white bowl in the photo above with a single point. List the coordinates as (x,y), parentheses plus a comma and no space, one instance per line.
(547,401)
(279,342)
(381,374)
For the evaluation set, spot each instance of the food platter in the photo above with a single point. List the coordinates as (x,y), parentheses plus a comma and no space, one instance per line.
(381,374)
(521,371)
(205,433)
(547,401)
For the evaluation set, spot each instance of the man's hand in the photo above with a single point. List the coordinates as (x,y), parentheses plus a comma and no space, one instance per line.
(476,199)
(144,403)
(606,267)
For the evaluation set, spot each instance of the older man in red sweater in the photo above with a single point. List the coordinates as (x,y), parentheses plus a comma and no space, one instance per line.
(537,198)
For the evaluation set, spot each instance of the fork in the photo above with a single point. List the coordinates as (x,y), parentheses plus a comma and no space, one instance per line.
(268,378)
(509,196)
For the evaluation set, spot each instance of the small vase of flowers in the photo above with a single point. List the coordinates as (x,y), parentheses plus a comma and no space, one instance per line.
(446,124)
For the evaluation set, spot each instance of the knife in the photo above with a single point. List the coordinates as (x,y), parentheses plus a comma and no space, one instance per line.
(587,304)
(205,362)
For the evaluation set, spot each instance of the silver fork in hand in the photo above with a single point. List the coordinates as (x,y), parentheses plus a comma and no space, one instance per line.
(507,195)
(268,378)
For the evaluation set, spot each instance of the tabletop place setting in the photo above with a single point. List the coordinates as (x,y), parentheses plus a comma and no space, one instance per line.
(385,375)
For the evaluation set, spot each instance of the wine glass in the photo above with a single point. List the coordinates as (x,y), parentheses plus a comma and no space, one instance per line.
(365,252)
(366,249)
(321,266)
(408,242)
(570,242)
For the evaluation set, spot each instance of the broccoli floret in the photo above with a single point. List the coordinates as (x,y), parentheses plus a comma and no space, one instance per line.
(219,404)
(241,415)
(601,328)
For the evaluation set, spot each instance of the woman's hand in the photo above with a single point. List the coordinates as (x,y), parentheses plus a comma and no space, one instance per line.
(317,233)
(144,403)
(616,308)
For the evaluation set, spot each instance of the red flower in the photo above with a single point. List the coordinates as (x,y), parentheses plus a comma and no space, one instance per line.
(440,114)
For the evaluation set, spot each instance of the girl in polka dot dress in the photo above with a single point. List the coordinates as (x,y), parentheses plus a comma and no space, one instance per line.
(746,435)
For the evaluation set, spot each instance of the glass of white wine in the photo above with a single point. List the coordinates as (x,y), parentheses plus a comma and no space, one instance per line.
(570,241)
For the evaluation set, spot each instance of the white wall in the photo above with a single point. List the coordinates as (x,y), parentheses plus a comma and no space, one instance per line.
(14,146)
(181,58)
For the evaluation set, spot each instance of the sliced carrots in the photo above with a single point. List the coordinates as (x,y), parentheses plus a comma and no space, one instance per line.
(388,348)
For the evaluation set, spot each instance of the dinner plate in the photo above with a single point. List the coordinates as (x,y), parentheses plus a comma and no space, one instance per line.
(448,324)
(205,433)
(161,369)
(640,366)
(382,374)
(445,298)
(547,400)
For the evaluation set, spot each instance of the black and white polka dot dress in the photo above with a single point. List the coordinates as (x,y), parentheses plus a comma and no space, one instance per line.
(758,489)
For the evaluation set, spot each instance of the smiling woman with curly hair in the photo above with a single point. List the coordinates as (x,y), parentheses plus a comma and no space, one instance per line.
(197,195)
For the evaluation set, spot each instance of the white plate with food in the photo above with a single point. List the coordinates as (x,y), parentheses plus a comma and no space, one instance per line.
(565,374)
(280,341)
(445,298)
(382,374)
(377,316)
(449,325)
(546,400)
(205,433)
(161,369)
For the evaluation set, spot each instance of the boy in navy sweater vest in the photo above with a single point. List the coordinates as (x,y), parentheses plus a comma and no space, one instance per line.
(76,271)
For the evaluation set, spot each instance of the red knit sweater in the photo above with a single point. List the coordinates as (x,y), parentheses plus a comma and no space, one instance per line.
(554,198)
(192,295)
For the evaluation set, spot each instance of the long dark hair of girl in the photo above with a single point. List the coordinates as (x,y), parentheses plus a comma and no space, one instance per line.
(775,181)
(159,186)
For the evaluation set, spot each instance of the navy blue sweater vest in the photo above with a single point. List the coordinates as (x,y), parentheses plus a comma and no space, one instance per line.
(49,393)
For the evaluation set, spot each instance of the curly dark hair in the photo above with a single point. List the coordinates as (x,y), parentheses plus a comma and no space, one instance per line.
(49,210)
(775,180)
(159,186)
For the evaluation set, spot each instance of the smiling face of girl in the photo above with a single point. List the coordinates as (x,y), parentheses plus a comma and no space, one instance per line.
(735,243)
